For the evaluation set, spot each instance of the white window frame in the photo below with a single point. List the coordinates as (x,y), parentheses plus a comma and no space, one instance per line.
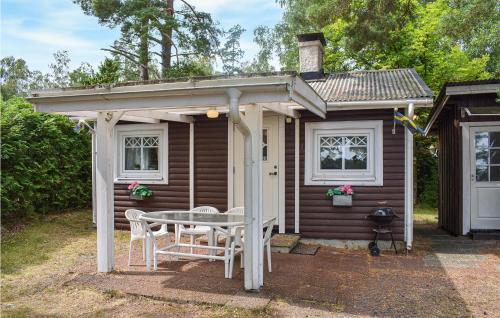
(143,176)
(372,176)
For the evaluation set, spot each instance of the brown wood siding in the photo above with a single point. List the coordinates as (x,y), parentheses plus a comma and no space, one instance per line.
(450,173)
(171,196)
(210,162)
(318,218)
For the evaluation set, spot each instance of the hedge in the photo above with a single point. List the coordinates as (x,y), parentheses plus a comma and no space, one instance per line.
(46,165)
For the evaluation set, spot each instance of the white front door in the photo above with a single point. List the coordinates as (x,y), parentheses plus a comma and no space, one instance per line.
(270,167)
(485,177)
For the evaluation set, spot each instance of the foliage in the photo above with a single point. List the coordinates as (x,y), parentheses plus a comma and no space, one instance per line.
(261,63)
(379,34)
(178,31)
(426,170)
(231,52)
(45,164)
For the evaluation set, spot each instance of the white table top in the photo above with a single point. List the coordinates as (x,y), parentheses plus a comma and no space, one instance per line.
(194,218)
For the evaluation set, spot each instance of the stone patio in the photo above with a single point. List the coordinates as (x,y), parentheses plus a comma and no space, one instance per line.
(443,276)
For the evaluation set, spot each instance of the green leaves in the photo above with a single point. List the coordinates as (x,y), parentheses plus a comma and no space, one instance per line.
(45,164)
(142,191)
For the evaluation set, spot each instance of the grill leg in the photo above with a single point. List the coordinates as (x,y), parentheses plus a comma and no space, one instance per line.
(376,238)
(393,243)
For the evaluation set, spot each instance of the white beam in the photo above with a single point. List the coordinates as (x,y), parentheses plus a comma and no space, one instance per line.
(155,102)
(297,176)
(90,115)
(191,166)
(230,164)
(105,190)
(282,109)
(162,115)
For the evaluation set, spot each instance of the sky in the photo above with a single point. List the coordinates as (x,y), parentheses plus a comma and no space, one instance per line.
(35,29)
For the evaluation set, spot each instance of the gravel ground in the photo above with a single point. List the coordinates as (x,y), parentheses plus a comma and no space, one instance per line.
(443,277)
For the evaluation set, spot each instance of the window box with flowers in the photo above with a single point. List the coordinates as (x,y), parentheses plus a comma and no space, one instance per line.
(341,196)
(139,191)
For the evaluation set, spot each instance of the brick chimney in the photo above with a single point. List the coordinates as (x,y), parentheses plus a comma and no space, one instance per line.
(311,55)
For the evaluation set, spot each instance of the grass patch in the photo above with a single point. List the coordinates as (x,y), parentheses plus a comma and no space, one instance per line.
(33,244)
(425,215)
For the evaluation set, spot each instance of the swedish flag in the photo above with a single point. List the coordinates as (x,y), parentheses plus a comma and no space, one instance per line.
(408,123)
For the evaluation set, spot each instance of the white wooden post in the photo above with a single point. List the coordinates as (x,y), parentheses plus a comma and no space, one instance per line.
(409,182)
(253,118)
(191,165)
(105,190)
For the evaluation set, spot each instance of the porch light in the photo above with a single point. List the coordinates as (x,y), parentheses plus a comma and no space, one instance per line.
(212,113)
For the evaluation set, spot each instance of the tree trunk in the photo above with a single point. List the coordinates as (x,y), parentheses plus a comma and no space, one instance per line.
(166,42)
(144,52)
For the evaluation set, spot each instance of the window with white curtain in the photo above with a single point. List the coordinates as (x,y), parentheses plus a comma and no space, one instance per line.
(343,152)
(142,153)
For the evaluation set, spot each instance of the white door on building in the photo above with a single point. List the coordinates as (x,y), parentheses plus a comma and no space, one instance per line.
(270,167)
(485,177)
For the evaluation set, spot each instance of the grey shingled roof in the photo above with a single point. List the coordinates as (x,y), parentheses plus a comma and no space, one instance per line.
(371,86)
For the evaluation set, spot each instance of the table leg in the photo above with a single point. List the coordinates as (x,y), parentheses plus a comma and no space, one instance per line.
(211,242)
(148,252)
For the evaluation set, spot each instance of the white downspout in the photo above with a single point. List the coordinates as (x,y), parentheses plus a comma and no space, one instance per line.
(409,182)
(251,280)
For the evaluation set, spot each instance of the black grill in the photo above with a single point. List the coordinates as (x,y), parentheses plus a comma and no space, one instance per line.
(382,218)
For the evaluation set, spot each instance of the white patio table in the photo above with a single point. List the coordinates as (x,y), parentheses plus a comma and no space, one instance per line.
(218,221)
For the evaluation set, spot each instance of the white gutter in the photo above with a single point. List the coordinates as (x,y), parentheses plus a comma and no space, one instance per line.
(409,182)
(423,102)
(251,281)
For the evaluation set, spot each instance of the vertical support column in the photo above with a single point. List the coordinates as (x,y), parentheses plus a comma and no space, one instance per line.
(94,205)
(191,165)
(230,163)
(409,181)
(281,174)
(105,192)
(253,118)
(297,175)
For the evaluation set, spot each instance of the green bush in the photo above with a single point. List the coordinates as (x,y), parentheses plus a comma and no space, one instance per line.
(427,171)
(46,165)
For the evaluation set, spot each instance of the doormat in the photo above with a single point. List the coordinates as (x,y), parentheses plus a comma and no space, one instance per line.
(305,249)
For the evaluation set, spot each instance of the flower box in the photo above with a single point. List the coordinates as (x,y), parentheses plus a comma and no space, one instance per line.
(139,192)
(341,196)
(136,197)
(342,200)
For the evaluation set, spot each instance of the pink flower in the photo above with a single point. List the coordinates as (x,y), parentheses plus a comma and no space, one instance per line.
(133,185)
(347,189)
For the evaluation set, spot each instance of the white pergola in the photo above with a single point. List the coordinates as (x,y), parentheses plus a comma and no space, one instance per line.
(243,98)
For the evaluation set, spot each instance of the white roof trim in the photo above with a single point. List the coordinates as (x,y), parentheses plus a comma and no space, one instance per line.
(181,96)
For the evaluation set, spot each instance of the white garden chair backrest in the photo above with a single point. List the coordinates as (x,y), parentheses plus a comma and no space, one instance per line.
(205,209)
(237,210)
(136,228)
(269,229)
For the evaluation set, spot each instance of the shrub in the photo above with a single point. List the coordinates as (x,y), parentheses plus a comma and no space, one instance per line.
(46,165)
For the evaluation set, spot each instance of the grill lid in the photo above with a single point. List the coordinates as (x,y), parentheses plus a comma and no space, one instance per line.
(382,212)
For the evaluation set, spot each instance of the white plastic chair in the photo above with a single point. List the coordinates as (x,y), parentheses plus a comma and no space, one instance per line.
(198,230)
(137,231)
(236,210)
(238,241)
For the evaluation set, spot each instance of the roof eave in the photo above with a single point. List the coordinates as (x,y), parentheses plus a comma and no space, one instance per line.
(379,104)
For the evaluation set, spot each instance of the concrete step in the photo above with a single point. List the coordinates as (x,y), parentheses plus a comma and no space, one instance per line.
(486,235)
(284,243)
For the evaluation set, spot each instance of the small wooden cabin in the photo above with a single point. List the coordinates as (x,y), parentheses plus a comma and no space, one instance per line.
(466,119)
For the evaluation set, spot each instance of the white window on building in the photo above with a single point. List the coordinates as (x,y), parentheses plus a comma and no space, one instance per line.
(142,153)
(337,153)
